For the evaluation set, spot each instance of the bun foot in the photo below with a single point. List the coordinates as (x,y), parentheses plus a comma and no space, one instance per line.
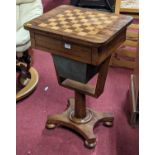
(50,126)
(108,124)
(90,144)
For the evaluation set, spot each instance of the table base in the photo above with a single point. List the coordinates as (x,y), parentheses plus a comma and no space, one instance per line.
(84,128)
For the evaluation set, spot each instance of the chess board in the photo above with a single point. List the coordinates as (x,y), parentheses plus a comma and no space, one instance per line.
(80,23)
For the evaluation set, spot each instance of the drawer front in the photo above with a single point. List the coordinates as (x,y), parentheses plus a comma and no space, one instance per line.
(62,48)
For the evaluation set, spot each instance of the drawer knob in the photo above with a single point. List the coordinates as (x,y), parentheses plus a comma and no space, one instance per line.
(67,46)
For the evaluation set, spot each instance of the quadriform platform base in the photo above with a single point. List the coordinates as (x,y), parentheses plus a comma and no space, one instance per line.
(83,126)
(81,42)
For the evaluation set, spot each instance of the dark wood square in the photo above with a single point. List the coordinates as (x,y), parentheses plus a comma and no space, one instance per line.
(80,23)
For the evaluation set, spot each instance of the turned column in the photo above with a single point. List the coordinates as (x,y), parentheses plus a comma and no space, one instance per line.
(80,105)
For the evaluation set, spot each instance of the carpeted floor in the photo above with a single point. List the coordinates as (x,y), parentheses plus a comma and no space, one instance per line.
(34,139)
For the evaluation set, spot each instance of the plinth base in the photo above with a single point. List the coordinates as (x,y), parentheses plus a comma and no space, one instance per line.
(84,128)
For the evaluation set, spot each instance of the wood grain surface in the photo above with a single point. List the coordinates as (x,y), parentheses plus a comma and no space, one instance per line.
(80,23)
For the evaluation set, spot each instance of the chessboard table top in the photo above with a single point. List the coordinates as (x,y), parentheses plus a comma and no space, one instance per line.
(80,23)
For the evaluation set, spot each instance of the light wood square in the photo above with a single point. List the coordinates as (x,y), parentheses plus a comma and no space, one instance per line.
(61,19)
(42,25)
(92,16)
(100,15)
(86,24)
(82,33)
(69,14)
(103,18)
(93,32)
(81,17)
(65,26)
(72,18)
(77,10)
(89,28)
(63,22)
(74,21)
(76,25)
(53,24)
(79,13)
(68,11)
(107,22)
(100,26)
(79,29)
(88,12)
(84,20)
(97,23)
(68,30)
(55,27)
(60,15)
(94,19)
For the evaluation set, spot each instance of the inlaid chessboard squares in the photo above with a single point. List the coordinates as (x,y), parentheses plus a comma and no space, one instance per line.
(80,22)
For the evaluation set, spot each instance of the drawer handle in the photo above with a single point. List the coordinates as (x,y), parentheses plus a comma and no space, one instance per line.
(67,46)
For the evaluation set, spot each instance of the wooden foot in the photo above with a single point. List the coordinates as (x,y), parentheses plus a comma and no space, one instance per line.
(108,123)
(50,126)
(84,126)
(90,145)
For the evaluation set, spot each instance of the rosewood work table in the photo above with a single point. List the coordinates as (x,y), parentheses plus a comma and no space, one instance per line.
(81,42)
